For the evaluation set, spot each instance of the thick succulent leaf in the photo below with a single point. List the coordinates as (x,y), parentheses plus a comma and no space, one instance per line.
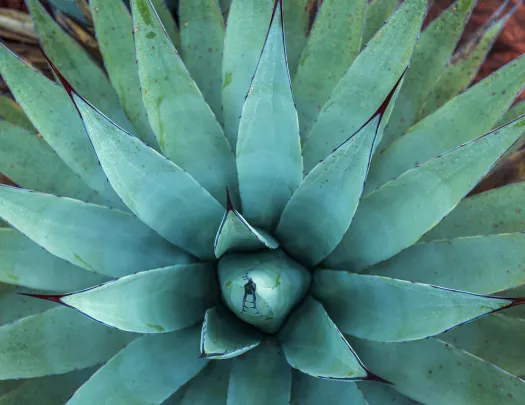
(178,396)
(246,30)
(52,113)
(24,263)
(335,37)
(210,387)
(432,52)
(55,389)
(262,287)
(465,63)
(154,301)
(71,8)
(13,113)
(202,44)
(296,20)
(168,22)
(160,193)
(224,336)
(321,209)
(497,211)
(115,39)
(29,162)
(55,342)
(482,264)
(459,121)
(269,158)
(7,386)
(235,234)
(260,377)
(382,394)
(436,373)
(310,328)
(377,13)
(366,83)
(96,238)
(147,371)
(512,113)
(394,216)
(314,391)
(15,306)
(76,64)
(357,303)
(186,128)
(496,338)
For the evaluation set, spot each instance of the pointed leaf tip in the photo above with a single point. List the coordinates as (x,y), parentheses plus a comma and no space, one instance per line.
(51,297)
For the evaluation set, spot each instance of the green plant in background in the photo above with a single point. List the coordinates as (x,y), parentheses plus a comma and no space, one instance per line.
(236,234)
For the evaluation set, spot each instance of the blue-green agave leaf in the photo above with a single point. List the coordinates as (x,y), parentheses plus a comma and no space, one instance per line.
(187,131)
(431,54)
(483,264)
(395,215)
(519,311)
(7,386)
(31,163)
(15,306)
(335,37)
(93,237)
(435,373)
(235,234)
(13,113)
(56,341)
(202,44)
(147,371)
(269,158)
(320,211)
(115,39)
(357,303)
(76,64)
(382,394)
(497,211)
(160,193)
(167,20)
(153,301)
(210,387)
(24,263)
(262,287)
(314,391)
(50,110)
(366,83)
(496,338)
(225,337)
(460,120)
(71,8)
(55,389)
(310,328)
(260,377)
(512,113)
(296,21)
(377,13)
(245,33)
(465,63)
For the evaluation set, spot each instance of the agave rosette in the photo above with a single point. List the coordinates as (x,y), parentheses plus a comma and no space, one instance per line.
(264,213)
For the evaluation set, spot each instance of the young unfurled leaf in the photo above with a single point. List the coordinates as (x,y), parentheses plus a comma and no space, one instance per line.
(56,341)
(335,37)
(235,234)
(202,44)
(366,83)
(246,29)
(309,329)
(158,365)
(394,216)
(260,377)
(224,337)
(160,193)
(186,129)
(153,301)
(389,310)
(269,158)
(99,239)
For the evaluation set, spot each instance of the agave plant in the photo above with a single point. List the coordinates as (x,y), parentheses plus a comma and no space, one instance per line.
(266,213)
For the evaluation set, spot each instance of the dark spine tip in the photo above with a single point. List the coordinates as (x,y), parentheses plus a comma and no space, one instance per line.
(229,204)
(374,377)
(67,86)
(515,302)
(382,108)
(53,298)
(203,355)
